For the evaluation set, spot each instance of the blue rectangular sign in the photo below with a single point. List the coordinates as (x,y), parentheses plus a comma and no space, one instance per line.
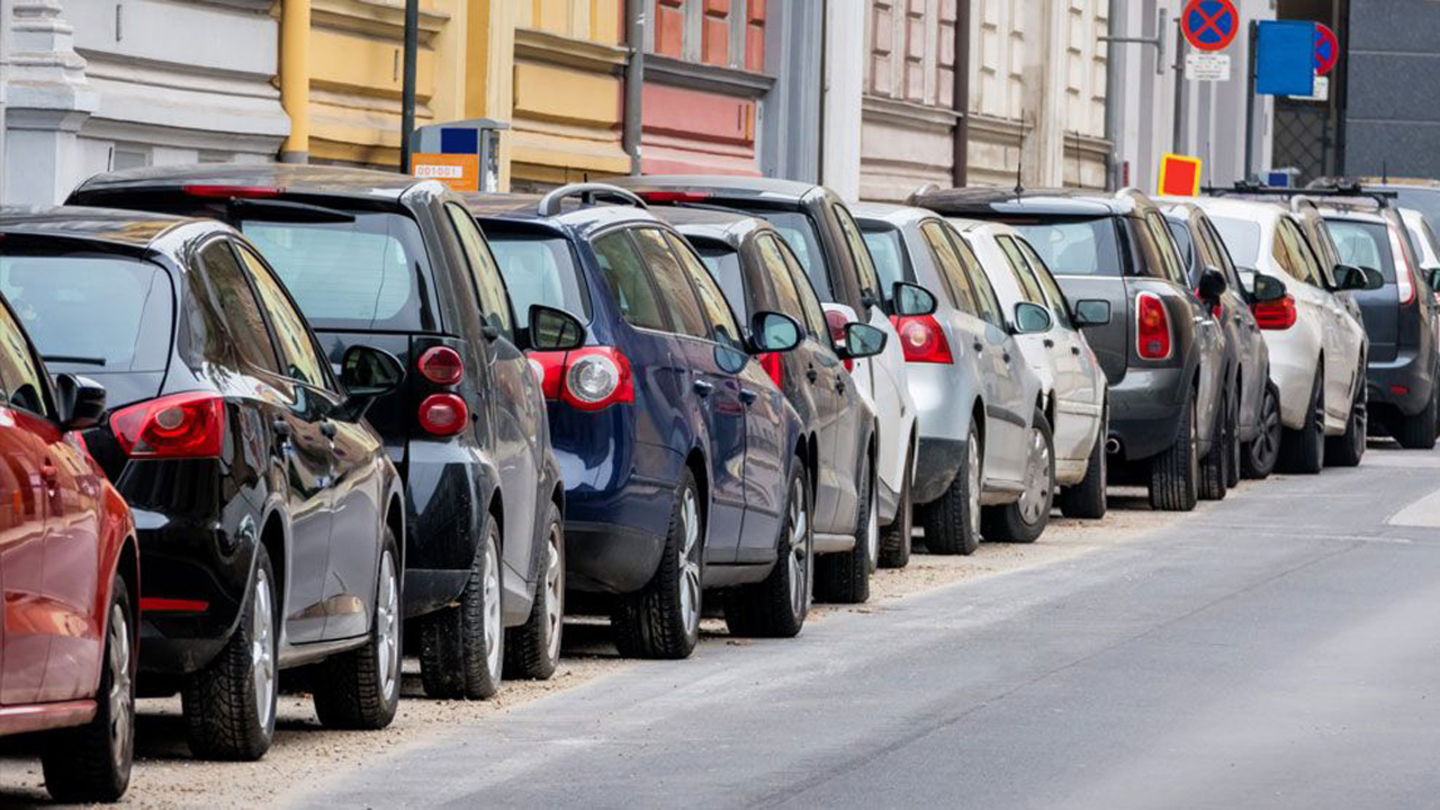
(1285,58)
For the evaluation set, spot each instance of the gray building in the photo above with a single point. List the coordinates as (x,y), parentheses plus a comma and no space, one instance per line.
(1391,101)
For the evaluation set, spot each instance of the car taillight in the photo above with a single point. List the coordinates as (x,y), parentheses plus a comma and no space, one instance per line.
(1277,314)
(441,365)
(922,340)
(227,192)
(663,197)
(1404,273)
(836,322)
(188,425)
(774,365)
(550,368)
(1152,327)
(589,379)
(443,414)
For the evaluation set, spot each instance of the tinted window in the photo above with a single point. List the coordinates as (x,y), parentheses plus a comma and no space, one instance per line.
(723,263)
(231,294)
(888,254)
(1181,234)
(676,293)
(1075,247)
(1170,265)
(798,231)
(962,293)
(349,275)
(1029,288)
(1222,255)
(629,281)
(1364,244)
(1242,239)
(990,308)
(300,359)
(869,280)
(540,270)
(723,328)
(19,373)
(1295,259)
(1058,306)
(787,295)
(494,302)
(814,312)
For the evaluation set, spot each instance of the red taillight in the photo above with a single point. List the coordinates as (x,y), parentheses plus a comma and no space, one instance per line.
(774,365)
(663,197)
(550,368)
(836,323)
(1399,390)
(155,604)
(589,379)
(189,425)
(443,414)
(441,365)
(921,339)
(1404,273)
(1152,327)
(1277,314)
(227,192)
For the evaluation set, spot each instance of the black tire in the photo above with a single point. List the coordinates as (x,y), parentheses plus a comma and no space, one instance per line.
(1086,500)
(91,763)
(844,578)
(1347,449)
(462,647)
(1213,472)
(952,522)
(532,650)
(1303,451)
(360,689)
(1232,440)
(226,717)
(895,539)
(777,606)
(1258,456)
(1175,473)
(1418,432)
(1025,520)
(662,619)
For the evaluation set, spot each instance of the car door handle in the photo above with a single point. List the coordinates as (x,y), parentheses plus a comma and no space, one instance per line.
(327,428)
(48,472)
(748,396)
(811,374)
(282,428)
(979,347)
(1005,357)
(1049,344)
(1075,350)
(703,388)
(839,386)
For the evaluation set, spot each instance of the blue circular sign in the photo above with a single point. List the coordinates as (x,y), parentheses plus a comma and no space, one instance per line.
(1210,25)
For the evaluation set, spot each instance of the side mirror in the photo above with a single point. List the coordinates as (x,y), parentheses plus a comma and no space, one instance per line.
(1373,279)
(1266,288)
(554,330)
(861,340)
(367,373)
(1433,276)
(912,299)
(79,400)
(1091,312)
(1212,285)
(1031,318)
(773,332)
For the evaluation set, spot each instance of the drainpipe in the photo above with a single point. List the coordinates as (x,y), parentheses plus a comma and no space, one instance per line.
(1112,101)
(407,88)
(295,78)
(634,80)
(960,153)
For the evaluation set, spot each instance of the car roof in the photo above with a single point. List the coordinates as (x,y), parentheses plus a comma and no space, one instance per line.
(721,225)
(574,216)
(741,185)
(983,200)
(1234,208)
(897,215)
(135,230)
(292,178)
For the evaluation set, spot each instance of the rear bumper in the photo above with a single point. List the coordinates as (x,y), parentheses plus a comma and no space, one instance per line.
(938,464)
(1145,410)
(1404,383)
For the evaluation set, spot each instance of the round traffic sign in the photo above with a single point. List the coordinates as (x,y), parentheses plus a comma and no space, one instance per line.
(1327,49)
(1210,25)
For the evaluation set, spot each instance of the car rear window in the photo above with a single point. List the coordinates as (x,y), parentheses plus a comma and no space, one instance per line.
(1242,239)
(1364,244)
(360,275)
(539,269)
(1075,247)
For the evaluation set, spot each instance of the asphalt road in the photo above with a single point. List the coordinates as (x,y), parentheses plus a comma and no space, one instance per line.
(1280,650)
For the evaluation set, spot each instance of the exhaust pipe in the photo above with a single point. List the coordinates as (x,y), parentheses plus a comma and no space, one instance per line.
(1112,445)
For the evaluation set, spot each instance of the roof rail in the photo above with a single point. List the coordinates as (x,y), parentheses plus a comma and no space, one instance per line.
(1382,198)
(588,194)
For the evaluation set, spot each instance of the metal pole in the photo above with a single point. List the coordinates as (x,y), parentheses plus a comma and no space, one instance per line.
(960,153)
(407,91)
(1178,132)
(1250,102)
(634,81)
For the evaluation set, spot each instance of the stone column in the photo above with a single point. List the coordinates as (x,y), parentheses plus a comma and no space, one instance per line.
(47,101)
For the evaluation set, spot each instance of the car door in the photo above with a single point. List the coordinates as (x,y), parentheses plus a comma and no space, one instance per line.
(1341,347)
(1241,327)
(1078,389)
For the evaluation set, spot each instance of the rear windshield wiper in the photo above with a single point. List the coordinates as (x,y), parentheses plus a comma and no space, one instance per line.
(285,211)
(76,359)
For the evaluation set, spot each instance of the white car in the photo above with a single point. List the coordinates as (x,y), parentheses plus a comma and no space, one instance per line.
(1317,346)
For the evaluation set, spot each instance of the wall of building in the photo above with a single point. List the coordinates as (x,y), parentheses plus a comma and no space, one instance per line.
(1392,126)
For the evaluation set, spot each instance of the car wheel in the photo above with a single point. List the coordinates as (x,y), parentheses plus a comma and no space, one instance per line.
(1257,458)
(845,577)
(1025,520)
(532,650)
(776,607)
(952,523)
(1303,450)
(91,763)
(360,689)
(1418,432)
(1086,499)
(1347,449)
(1212,467)
(1175,473)
(230,705)
(461,647)
(895,539)
(662,620)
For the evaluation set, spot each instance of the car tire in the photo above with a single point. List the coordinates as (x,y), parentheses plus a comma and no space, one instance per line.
(1025,520)
(1347,449)
(895,539)
(952,523)
(462,647)
(91,763)
(662,619)
(1418,432)
(1258,456)
(532,650)
(1175,473)
(1213,472)
(229,705)
(360,689)
(1303,450)
(844,578)
(777,606)
(1086,500)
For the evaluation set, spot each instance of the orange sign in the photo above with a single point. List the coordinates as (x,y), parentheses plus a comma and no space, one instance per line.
(1179,176)
(459,172)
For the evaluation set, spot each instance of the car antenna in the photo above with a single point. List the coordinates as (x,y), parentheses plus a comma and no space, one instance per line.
(1019,186)
(1384,173)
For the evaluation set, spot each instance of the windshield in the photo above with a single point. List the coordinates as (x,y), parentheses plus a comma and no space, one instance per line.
(1363,244)
(539,269)
(888,254)
(1242,239)
(1075,247)
(724,266)
(799,233)
(360,275)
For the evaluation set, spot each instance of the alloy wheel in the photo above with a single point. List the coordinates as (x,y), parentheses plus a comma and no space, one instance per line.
(262,648)
(491,604)
(387,623)
(121,697)
(972,472)
(690,563)
(798,556)
(554,593)
(1036,495)
(1267,444)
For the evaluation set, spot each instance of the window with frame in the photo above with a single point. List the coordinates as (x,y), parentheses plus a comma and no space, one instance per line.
(232,294)
(1287,244)
(24,384)
(864,266)
(1059,307)
(675,292)
(1029,288)
(962,292)
(720,320)
(1222,254)
(1170,265)
(629,280)
(787,295)
(809,299)
(990,309)
(302,360)
(489,284)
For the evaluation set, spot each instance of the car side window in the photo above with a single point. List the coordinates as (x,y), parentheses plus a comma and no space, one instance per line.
(1311,260)
(629,281)
(1029,288)
(235,298)
(1058,306)
(1222,254)
(787,295)
(489,284)
(1170,265)
(990,309)
(720,320)
(809,299)
(1288,242)
(952,271)
(19,371)
(302,359)
(675,292)
(869,278)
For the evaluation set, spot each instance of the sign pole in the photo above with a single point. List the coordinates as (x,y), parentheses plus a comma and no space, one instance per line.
(1250,102)
(407,87)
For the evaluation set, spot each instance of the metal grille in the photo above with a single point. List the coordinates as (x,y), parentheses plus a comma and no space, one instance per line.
(1302,139)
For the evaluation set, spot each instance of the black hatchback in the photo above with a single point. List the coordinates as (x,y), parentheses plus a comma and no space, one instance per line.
(398,263)
(269,517)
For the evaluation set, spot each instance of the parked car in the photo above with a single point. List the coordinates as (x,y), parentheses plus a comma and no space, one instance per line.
(1161,349)
(685,468)
(986,460)
(70,617)
(269,517)
(758,272)
(1317,346)
(395,262)
(1071,381)
(1251,423)
(825,238)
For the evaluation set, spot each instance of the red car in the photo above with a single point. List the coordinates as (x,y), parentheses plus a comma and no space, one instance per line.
(69,580)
